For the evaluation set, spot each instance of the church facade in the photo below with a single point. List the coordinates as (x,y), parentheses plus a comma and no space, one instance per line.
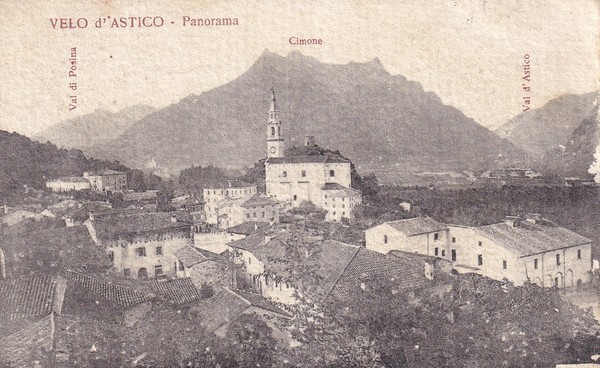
(295,179)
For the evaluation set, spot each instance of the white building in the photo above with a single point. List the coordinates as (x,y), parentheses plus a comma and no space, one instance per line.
(67,184)
(295,179)
(530,249)
(233,189)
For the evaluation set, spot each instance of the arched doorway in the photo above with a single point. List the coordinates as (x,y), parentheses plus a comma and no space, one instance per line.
(569,282)
(548,282)
(558,280)
(142,273)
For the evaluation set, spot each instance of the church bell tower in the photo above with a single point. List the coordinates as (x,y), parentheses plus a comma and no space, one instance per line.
(274,138)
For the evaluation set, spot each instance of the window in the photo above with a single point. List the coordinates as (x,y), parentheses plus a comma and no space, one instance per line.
(263,214)
(126,272)
(334,213)
(558,259)
(140,252)
(111,256)
(284,174)
(325,196)
(385,239)
(436,236)
(159,251)
(535,263)
(247,215)
(254,214)
(158,270)
(295,197)
(480,244)
(436,251)
(249,261)
(181,266)
(303,173)
(480,260)
(331,172)
(454,255)
(443,253)
(578,253)
(504,265)
(453,240)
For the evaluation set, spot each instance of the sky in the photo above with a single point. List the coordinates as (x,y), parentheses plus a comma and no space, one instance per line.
(470,53)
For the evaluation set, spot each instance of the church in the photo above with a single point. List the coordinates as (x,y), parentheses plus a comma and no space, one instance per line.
(322,179)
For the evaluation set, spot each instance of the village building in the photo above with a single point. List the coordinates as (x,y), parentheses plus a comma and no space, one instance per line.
(107,180)
(339,201)
(296,179)
(233,189)
(68,184)
(141,245)
(530,249)
(232,212)
(104,300)
(420,235)
(203,267)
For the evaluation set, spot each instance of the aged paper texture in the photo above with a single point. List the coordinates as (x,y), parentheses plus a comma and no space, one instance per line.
(219,183)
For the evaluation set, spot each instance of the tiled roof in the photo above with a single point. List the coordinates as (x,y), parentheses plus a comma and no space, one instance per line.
(117,295)
(221,308)
(177,291)
(190,256)
(22,297)
(306,159)
(231,184)
(368,266)
(417,225)
(29,344)
(259,200)
(332,186)
(70,179)
(332,258)
(250,243)
(106,172)
(147,195)
(248,228)
(122,223)
(25,251)
(529,238)
(259,301)
(337,190)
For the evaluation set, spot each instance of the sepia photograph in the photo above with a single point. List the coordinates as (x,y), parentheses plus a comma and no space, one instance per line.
(274,183)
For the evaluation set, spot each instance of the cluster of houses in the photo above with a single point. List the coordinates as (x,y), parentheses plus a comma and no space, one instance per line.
(231,254)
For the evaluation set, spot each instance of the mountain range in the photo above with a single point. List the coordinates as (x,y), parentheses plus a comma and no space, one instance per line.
(380,121)
(92,129)
(550,127)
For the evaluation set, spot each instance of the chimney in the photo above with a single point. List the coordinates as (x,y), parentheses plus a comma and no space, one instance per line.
(513,221)
(5,209)
(173,218)
(534,218)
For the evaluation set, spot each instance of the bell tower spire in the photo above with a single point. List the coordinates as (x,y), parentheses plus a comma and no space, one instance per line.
(274,137)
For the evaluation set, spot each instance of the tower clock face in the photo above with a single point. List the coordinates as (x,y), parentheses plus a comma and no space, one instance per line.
(273,149)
